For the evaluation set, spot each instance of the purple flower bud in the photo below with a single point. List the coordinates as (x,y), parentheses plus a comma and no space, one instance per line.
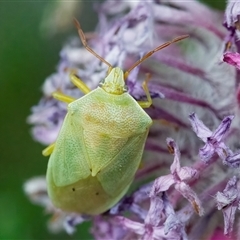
(233,160)
(72,220)
(178,177)
(232,14)
(214,140)
(231,22)
(155,227)
(228,202)
(104,229)
(232,59)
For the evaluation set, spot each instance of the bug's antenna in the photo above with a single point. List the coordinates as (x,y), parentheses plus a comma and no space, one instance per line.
(152,52)
(84,42)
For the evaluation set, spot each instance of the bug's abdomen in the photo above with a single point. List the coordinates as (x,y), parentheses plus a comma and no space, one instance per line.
(86,196)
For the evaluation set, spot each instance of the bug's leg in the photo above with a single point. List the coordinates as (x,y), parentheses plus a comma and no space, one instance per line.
(79,83)
(148,103)
(62,97)
(48,150)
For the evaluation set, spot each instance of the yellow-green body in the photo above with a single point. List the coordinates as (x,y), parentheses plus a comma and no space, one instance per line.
(98,150)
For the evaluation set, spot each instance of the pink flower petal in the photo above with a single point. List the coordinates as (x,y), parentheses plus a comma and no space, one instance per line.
(232,59)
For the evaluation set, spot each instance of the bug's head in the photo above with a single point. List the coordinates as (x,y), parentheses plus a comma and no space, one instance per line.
(114,83)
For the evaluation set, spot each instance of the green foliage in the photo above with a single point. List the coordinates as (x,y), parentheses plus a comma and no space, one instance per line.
(219,4)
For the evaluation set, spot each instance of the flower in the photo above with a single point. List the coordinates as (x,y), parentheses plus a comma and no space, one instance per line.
(214,140)
(153,228)
(231,22)
(229,201)
(232,14)
(179,177)
(232,59)
(187,77)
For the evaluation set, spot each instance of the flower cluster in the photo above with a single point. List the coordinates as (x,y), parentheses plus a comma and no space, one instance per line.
(190,81)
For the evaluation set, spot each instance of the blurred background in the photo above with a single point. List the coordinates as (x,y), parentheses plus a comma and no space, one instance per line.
(32,34)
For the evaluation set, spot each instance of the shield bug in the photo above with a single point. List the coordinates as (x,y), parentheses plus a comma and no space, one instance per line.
(100,144)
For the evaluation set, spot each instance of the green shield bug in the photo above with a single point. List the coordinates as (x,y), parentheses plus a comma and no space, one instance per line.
(101,141)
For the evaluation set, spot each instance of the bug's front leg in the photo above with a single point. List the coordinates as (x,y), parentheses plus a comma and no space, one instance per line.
(148,103)
(62,97)
(48,150)
(79,83)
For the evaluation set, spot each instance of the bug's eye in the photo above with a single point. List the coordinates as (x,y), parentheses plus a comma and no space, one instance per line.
(125,89)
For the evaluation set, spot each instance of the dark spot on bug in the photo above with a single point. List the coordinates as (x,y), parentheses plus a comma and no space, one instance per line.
(97,193)
(73,189)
